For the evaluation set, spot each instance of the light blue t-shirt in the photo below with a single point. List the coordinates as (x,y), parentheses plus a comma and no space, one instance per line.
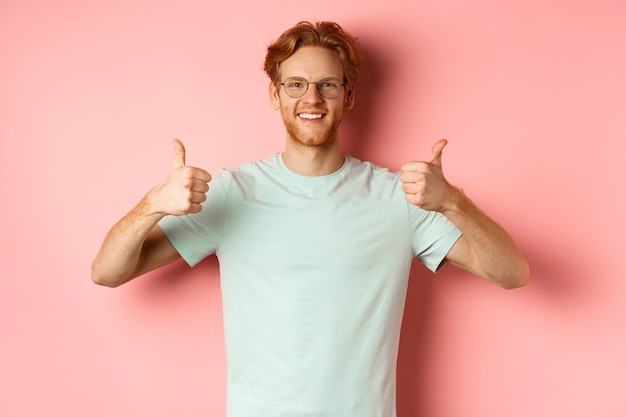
(314,274)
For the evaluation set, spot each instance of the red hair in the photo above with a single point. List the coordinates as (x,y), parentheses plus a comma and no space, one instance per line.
(325,34)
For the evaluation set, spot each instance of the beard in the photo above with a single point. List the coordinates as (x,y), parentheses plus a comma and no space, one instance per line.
(323,138)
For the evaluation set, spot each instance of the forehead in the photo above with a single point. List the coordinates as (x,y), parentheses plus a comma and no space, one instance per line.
(312,63)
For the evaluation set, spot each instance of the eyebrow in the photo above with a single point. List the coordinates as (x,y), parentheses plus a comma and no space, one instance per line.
(323,78)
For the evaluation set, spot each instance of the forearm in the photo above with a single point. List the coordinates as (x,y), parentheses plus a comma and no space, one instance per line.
(493,254)
(118,259)
(134,245)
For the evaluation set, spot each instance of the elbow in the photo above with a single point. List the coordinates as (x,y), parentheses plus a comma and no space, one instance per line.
(512,284)
(105,283)
(518,278)
(105,280)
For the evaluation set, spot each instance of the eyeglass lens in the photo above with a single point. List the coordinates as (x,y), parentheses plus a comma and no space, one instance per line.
(297,87)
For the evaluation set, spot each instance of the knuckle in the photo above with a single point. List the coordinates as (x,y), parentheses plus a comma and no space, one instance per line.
(185,207)
(408,166)
(188,172)
(195,208)
(187,182)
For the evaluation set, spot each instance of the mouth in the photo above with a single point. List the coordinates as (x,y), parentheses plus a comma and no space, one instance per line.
(310,116)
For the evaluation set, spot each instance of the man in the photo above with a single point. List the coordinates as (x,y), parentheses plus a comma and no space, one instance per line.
(315,247)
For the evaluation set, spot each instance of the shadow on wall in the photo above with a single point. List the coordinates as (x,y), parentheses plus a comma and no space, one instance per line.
(178,277)
(557,274)
(358,122)
(556,286)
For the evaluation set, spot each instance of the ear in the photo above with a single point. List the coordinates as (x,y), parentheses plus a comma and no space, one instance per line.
(274,96)
(349,100)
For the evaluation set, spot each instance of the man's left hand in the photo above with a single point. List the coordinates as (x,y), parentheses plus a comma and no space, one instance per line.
(425,185)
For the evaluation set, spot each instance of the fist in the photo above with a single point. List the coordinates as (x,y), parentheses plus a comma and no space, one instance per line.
(424,183)
(184,189)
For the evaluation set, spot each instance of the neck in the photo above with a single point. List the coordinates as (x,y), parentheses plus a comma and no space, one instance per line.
(313,160)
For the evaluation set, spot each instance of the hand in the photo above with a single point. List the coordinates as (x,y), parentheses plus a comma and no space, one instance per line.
(424,183)
(183,190)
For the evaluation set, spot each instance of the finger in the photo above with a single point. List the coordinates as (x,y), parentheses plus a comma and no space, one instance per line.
(199,186)
(179,154)
(197,198)
(435,157)
(194,208)
(412,188)
(414,166)
(202,175)
(411,176)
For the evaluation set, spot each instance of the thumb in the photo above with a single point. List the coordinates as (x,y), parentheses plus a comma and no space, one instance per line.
(179,154)
(435,157)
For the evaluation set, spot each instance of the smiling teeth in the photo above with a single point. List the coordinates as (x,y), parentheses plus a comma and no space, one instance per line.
(310,116)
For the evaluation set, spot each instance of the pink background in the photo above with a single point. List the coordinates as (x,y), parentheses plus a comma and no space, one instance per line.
(531,95)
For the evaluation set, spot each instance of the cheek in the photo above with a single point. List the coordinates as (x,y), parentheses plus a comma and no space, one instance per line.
(284,112)
(338,112)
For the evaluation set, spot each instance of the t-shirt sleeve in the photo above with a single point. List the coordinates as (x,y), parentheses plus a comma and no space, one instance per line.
(196,236)
(432,236)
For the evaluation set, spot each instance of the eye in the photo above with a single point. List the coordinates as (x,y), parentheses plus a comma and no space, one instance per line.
(295,83)
(330,84)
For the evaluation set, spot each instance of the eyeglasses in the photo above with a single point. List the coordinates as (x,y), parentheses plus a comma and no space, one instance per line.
(296,87)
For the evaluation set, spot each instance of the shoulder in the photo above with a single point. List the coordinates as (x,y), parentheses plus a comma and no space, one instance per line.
(251,169)
(359,165)
(250,175)
(371,172)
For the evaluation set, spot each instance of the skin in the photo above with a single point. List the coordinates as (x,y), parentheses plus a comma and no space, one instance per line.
(136,244)
(312,146)
(485,249)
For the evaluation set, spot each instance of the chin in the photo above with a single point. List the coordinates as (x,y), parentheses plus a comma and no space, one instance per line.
(324,139)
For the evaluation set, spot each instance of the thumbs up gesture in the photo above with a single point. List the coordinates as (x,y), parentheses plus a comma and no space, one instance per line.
(183,190)
(424,183)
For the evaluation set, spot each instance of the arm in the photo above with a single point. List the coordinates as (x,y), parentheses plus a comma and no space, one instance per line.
(485,249)
(136,244)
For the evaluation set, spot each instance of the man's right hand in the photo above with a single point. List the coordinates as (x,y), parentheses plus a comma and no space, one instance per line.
(183,190)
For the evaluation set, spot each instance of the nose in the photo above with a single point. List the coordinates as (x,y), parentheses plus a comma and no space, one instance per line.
(312,94)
